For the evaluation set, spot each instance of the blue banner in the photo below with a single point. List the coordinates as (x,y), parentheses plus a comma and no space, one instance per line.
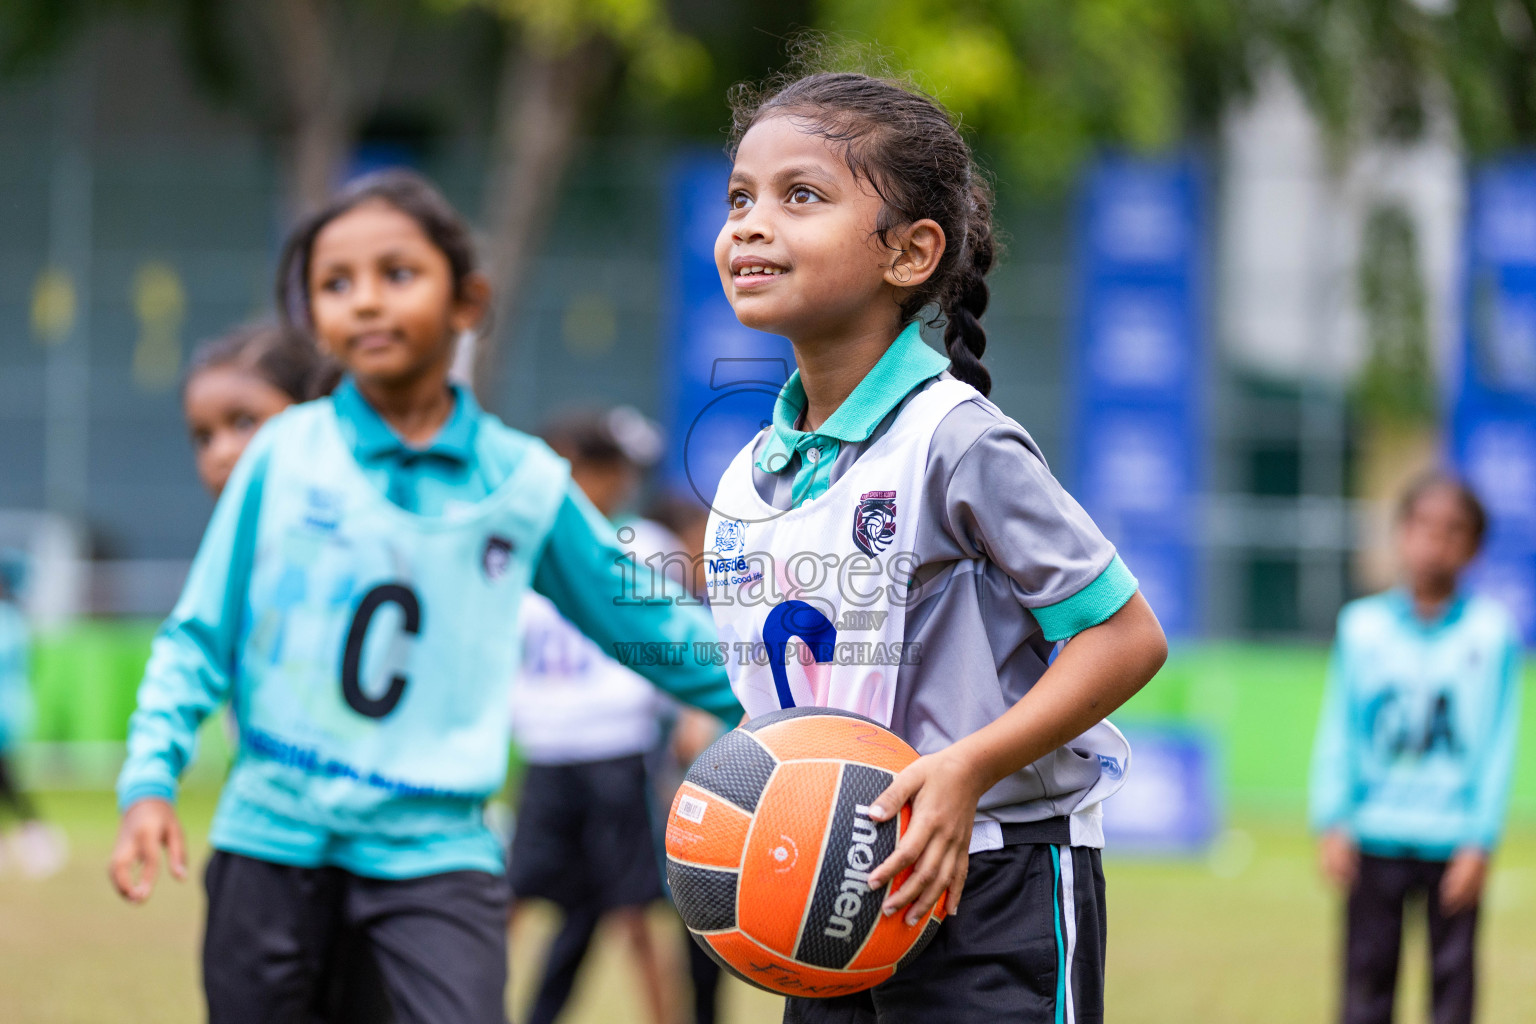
(1138,372)
(723,377)
(1493,418)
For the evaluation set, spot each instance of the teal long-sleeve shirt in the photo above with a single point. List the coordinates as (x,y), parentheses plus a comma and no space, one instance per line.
(190,673)
(15,687)
(1416,744)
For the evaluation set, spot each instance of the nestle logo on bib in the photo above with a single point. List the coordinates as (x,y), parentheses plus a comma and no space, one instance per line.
(874,521)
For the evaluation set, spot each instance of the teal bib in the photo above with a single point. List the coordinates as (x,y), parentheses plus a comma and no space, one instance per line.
(379,646)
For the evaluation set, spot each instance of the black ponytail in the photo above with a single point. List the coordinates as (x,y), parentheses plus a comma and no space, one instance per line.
(907,147)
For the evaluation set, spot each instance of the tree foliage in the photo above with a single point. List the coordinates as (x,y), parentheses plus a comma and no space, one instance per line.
(33,33)
(1053,79)
(640,30)
(1396,385)
(1375,68)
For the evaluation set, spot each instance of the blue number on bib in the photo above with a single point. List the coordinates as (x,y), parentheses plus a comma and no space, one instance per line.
(351,659)
(796,618)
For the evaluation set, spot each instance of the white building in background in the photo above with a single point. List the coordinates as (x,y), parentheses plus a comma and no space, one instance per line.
(1290,225)
(1291,218)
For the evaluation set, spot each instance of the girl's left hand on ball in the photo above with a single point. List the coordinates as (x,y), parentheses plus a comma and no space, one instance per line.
(943,791)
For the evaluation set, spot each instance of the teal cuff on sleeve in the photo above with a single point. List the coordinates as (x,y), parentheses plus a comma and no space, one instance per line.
(1090,606)
(145,791)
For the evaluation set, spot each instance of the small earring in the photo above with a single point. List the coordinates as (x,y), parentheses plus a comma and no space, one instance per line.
(902,272)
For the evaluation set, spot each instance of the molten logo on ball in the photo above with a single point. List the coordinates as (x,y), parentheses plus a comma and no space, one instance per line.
(861,858)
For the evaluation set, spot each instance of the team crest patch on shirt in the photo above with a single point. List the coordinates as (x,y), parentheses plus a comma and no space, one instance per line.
(496,558)
(874,521)
(730,536)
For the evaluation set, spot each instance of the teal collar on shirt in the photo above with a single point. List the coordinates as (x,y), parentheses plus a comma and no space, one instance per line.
(1402,601)
(373,439)
(905,365)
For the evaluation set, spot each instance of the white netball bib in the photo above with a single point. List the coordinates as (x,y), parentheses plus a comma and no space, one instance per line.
(811,603)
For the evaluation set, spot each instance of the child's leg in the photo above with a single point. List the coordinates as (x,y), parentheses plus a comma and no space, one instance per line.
(440,943)
(268,937)
(1373,939)
(562,962)
(618,851)
(638,931)
(705,974)
(11,796)
(352,989)
(1452,948)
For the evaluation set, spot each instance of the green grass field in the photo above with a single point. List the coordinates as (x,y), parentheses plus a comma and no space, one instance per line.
(1245,935)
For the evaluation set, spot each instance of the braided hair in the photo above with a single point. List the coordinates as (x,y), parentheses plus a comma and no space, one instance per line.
(908,148)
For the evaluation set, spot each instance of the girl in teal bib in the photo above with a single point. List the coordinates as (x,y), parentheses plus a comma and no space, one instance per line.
(355,600)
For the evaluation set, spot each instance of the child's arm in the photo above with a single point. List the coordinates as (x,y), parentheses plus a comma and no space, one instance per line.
(1332,783)
(1100,669)
(15,687)
(584,573)
(187,677)
(1493,779)
(1462,885)
(1001,504)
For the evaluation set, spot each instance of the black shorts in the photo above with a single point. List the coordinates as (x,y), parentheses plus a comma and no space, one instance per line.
(277,936)
(584,837)
(1027,946)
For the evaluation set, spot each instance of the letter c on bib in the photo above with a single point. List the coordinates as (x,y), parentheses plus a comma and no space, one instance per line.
(352,657)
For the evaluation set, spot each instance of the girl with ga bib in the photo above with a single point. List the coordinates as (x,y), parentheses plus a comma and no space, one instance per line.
(894,545)
(355,599)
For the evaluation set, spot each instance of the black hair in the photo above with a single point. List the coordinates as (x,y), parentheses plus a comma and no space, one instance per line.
(1436,479)
(676,511)
(282,357)
(406,191)
(619,436)
(908,147)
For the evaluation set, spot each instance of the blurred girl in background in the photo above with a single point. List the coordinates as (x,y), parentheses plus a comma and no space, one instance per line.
(1411,771)
(586,725)
(38,849)
(355,598)
(234,384)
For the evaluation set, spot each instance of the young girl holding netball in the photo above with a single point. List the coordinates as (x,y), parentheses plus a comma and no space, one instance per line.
(355,599)
(890,502)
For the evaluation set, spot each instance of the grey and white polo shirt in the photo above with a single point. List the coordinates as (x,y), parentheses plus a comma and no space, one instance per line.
(1005,562)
